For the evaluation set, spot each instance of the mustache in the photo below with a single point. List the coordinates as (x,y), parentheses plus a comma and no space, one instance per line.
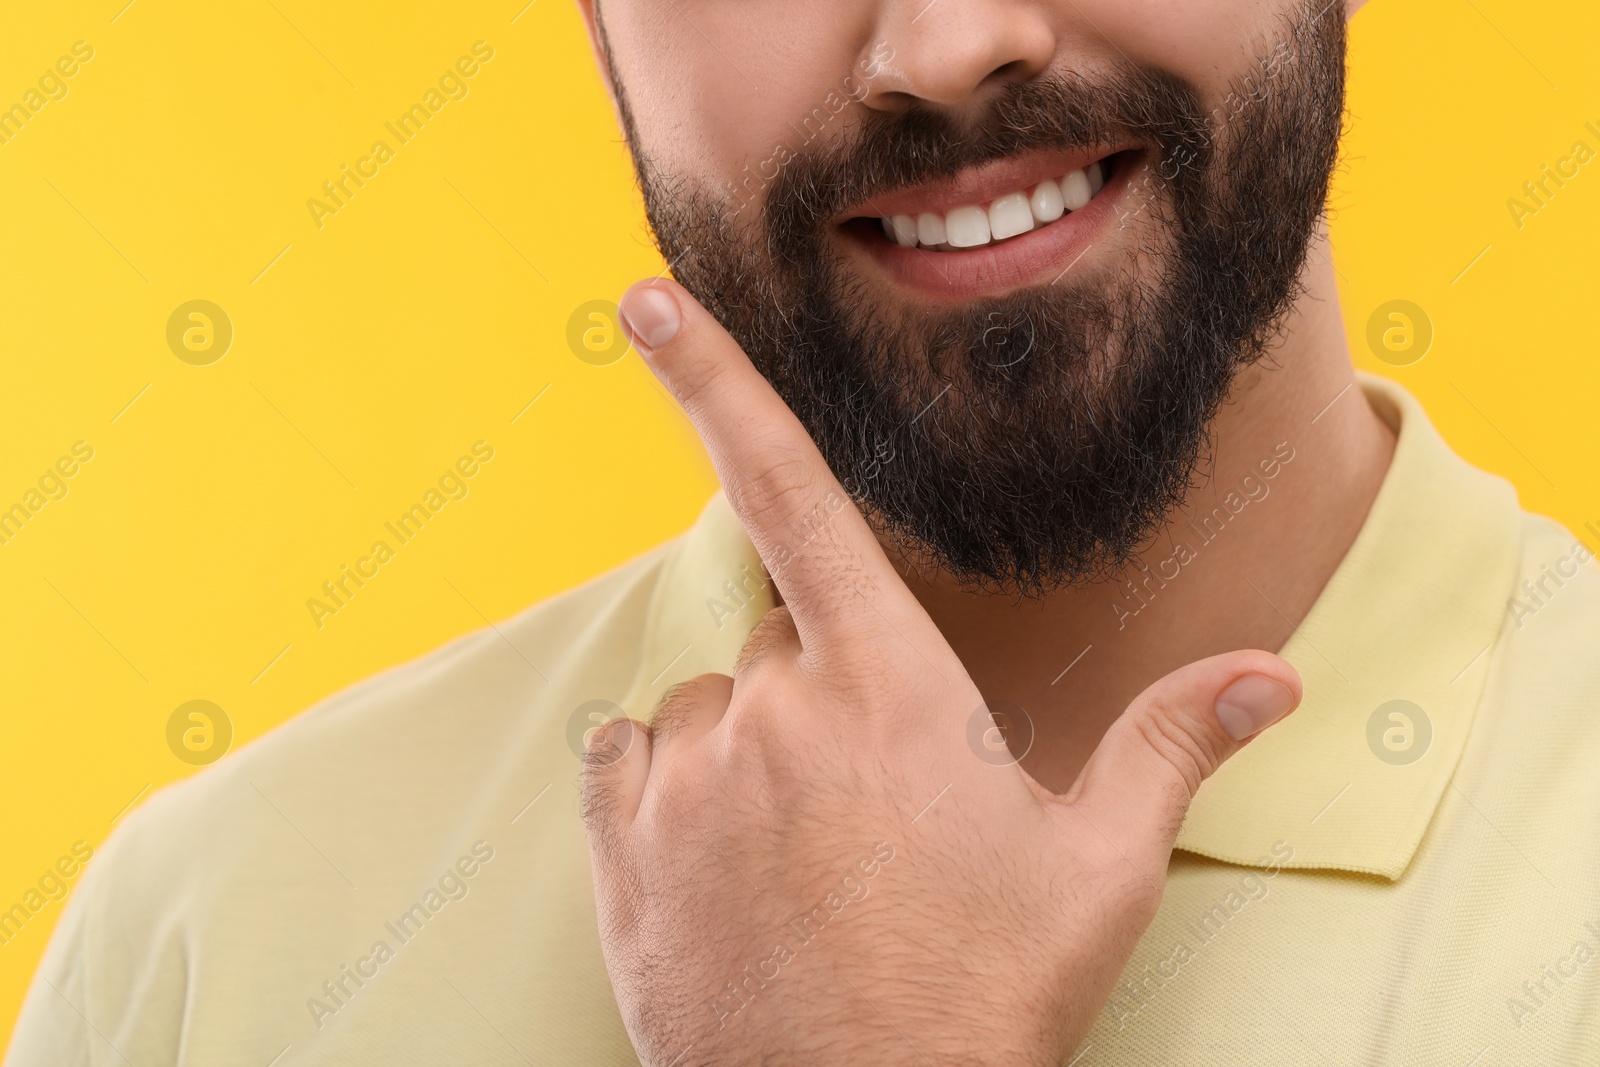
(1069,110)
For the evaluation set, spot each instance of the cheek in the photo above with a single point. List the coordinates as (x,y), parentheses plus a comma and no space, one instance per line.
(724,96)
(1207,43)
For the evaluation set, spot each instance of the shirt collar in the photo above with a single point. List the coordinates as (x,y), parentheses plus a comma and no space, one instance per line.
(1410,614)
(711,593)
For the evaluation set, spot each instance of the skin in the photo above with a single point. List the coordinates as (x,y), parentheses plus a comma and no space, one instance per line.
(843,736)
(1287,551)
(834,711)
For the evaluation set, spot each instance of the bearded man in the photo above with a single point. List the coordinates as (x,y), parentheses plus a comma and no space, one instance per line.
(943,736)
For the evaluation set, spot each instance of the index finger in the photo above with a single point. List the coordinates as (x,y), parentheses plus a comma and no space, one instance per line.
(815,543)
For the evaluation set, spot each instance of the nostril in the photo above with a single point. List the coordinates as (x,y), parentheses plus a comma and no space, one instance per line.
(893,101)
(1009,71)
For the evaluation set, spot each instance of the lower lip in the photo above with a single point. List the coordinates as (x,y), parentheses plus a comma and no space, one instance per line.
(1041,255)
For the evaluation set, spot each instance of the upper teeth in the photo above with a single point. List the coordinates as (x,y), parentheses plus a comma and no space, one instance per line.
(1007,216)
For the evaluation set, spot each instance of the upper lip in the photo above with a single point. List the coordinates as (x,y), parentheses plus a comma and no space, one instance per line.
(981,184)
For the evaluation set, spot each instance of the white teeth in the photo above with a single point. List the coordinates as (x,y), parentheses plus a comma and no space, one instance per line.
(967,227)
(905,230)
(1046,203)
(1009,216)
(1075,191)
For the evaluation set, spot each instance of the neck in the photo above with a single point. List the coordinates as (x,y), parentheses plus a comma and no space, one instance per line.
(1297,457)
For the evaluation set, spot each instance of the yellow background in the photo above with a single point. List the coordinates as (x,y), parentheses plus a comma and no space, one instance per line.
(433,307)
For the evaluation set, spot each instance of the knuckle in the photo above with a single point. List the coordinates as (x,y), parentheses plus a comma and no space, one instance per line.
(608,749)
(681,704)
(875,674)
(779,491)
(1182,744)
(761,711)
(775,632)
(672,712)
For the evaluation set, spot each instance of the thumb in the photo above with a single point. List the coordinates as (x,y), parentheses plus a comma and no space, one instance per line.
(1138,785)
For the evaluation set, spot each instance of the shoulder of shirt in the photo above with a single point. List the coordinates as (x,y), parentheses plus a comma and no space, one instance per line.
(1546,652)
(1565,578)
(380,778)
(422,725)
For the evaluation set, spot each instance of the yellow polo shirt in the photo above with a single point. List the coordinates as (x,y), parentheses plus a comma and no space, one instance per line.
(1407,871)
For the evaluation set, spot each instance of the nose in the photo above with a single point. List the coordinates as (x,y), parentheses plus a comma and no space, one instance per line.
(955,54)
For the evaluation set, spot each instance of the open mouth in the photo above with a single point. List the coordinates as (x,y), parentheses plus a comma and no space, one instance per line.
(1007,216)
(1003,225)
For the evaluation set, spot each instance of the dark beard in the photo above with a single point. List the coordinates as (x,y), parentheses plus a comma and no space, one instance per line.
(1038,439)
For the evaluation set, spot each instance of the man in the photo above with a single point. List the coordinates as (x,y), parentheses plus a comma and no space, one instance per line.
(1011,329)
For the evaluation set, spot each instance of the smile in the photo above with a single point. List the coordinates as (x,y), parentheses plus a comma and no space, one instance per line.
(1017,222)
(974,225)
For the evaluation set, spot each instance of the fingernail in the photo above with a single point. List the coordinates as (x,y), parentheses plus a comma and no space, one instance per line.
(1251,704)
(652,316)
